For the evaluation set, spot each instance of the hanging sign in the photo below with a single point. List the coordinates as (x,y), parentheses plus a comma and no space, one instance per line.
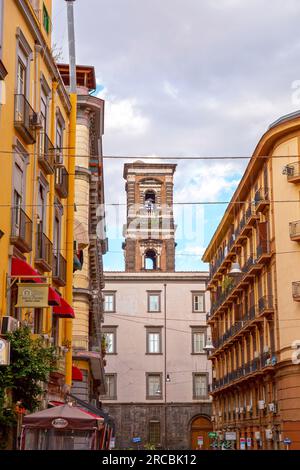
(242,443)
(32,295)
(230,436)
(4,352)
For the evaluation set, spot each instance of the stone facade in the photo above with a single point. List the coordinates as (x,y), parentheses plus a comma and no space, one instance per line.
(176,418)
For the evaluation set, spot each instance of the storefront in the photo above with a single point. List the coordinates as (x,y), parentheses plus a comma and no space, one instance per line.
(65,427)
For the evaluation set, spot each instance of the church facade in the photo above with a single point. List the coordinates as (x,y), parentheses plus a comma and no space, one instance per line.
(155,330)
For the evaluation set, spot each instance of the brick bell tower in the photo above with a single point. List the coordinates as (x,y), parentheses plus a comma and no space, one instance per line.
(150,232)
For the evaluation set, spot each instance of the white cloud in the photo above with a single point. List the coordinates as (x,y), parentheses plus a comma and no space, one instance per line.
(123,116)
(170,89)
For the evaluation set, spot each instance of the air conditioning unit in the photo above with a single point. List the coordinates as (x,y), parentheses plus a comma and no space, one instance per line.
(212,418)
(261,404)
(237,410)
(36,121)
(272,407)
(9,324)
(249,408)
(241,410)
(266,349)
(220,414)
(256,354)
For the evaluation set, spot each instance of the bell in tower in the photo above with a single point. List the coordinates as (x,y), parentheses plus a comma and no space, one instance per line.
(149,232)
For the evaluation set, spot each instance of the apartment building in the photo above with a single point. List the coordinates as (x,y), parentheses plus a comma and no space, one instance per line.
(35,185)
(254,283)
(90,239)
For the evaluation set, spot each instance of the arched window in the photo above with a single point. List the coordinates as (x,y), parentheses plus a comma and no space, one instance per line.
(150,198)
(150,260)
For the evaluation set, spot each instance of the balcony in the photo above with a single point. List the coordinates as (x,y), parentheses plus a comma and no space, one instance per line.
(59,270)
(61,181)
(80,343)
(261,199)
(295,231)
(24,119)
(46,154)
(296,291)
(21,231)
(293,172)
(263,252)
(44,253)
(266,305)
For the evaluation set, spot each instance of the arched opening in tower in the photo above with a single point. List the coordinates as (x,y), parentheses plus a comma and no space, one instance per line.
(150,198)
(150,260)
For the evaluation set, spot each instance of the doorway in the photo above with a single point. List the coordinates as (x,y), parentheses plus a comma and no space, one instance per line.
(200,427)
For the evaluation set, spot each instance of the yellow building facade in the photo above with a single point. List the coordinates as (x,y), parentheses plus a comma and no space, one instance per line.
(254,260)
(35,188)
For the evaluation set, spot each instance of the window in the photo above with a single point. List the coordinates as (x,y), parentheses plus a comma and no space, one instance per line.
(150,260)
(154,302)
(198,302)
(154,432)
(198,341)
(38,321)
(110,340)
(153,340)
(111,387)
(109,302)
(154,386)
(200,386)
(46,20)
(21,78)
(59,143)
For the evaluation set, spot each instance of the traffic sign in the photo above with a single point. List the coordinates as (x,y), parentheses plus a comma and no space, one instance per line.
(136,439)
(242,443)
(287,441)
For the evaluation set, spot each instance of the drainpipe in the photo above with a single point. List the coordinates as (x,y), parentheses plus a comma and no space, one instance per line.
(71,195)
(51,190)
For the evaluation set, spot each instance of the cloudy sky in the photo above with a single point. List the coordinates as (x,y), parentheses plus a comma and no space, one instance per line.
(182,78)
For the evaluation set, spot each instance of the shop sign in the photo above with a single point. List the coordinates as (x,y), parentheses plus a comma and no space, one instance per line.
(60,423)
(242,443)
(212,435)
(32,295)
(4,352)
(230,436)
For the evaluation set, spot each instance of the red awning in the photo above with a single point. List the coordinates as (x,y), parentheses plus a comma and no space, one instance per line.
(64,310)
(22,269)
(54,298)
(56,403)
(77,374)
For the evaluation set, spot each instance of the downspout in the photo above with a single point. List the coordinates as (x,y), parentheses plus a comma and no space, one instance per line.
(71,195)
(51,191)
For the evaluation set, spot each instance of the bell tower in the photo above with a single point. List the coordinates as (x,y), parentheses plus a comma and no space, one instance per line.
(150,232)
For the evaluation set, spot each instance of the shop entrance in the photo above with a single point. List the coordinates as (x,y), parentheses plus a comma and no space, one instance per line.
(200,427)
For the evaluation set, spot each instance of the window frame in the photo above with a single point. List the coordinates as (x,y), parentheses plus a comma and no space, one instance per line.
(195,330)
(195,294)
(153,330)
(47,27)
(113,294)
(113,331)
(200,374)
(153,293)
(111,397)
(154,397)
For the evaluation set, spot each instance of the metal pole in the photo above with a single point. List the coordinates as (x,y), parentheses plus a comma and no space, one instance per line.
(71,195)
(165,365)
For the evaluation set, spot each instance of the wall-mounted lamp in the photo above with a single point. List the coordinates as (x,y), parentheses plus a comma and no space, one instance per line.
(168,378)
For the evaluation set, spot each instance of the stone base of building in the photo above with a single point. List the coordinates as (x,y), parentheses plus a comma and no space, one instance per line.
(175,423)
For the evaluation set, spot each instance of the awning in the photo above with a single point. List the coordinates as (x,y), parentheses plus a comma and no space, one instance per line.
(20,268)
(64,310)
(77,374)
(54,298)
(81,235)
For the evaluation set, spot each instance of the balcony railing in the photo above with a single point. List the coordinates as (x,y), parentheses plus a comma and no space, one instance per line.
(61,181)
(292,170)
(80,343)
(21,230)
(44,252)
(24,119)
(46,154)
(265,303)
(296,291)
(295,231)
(59,271)
(261,199)
(256,364)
